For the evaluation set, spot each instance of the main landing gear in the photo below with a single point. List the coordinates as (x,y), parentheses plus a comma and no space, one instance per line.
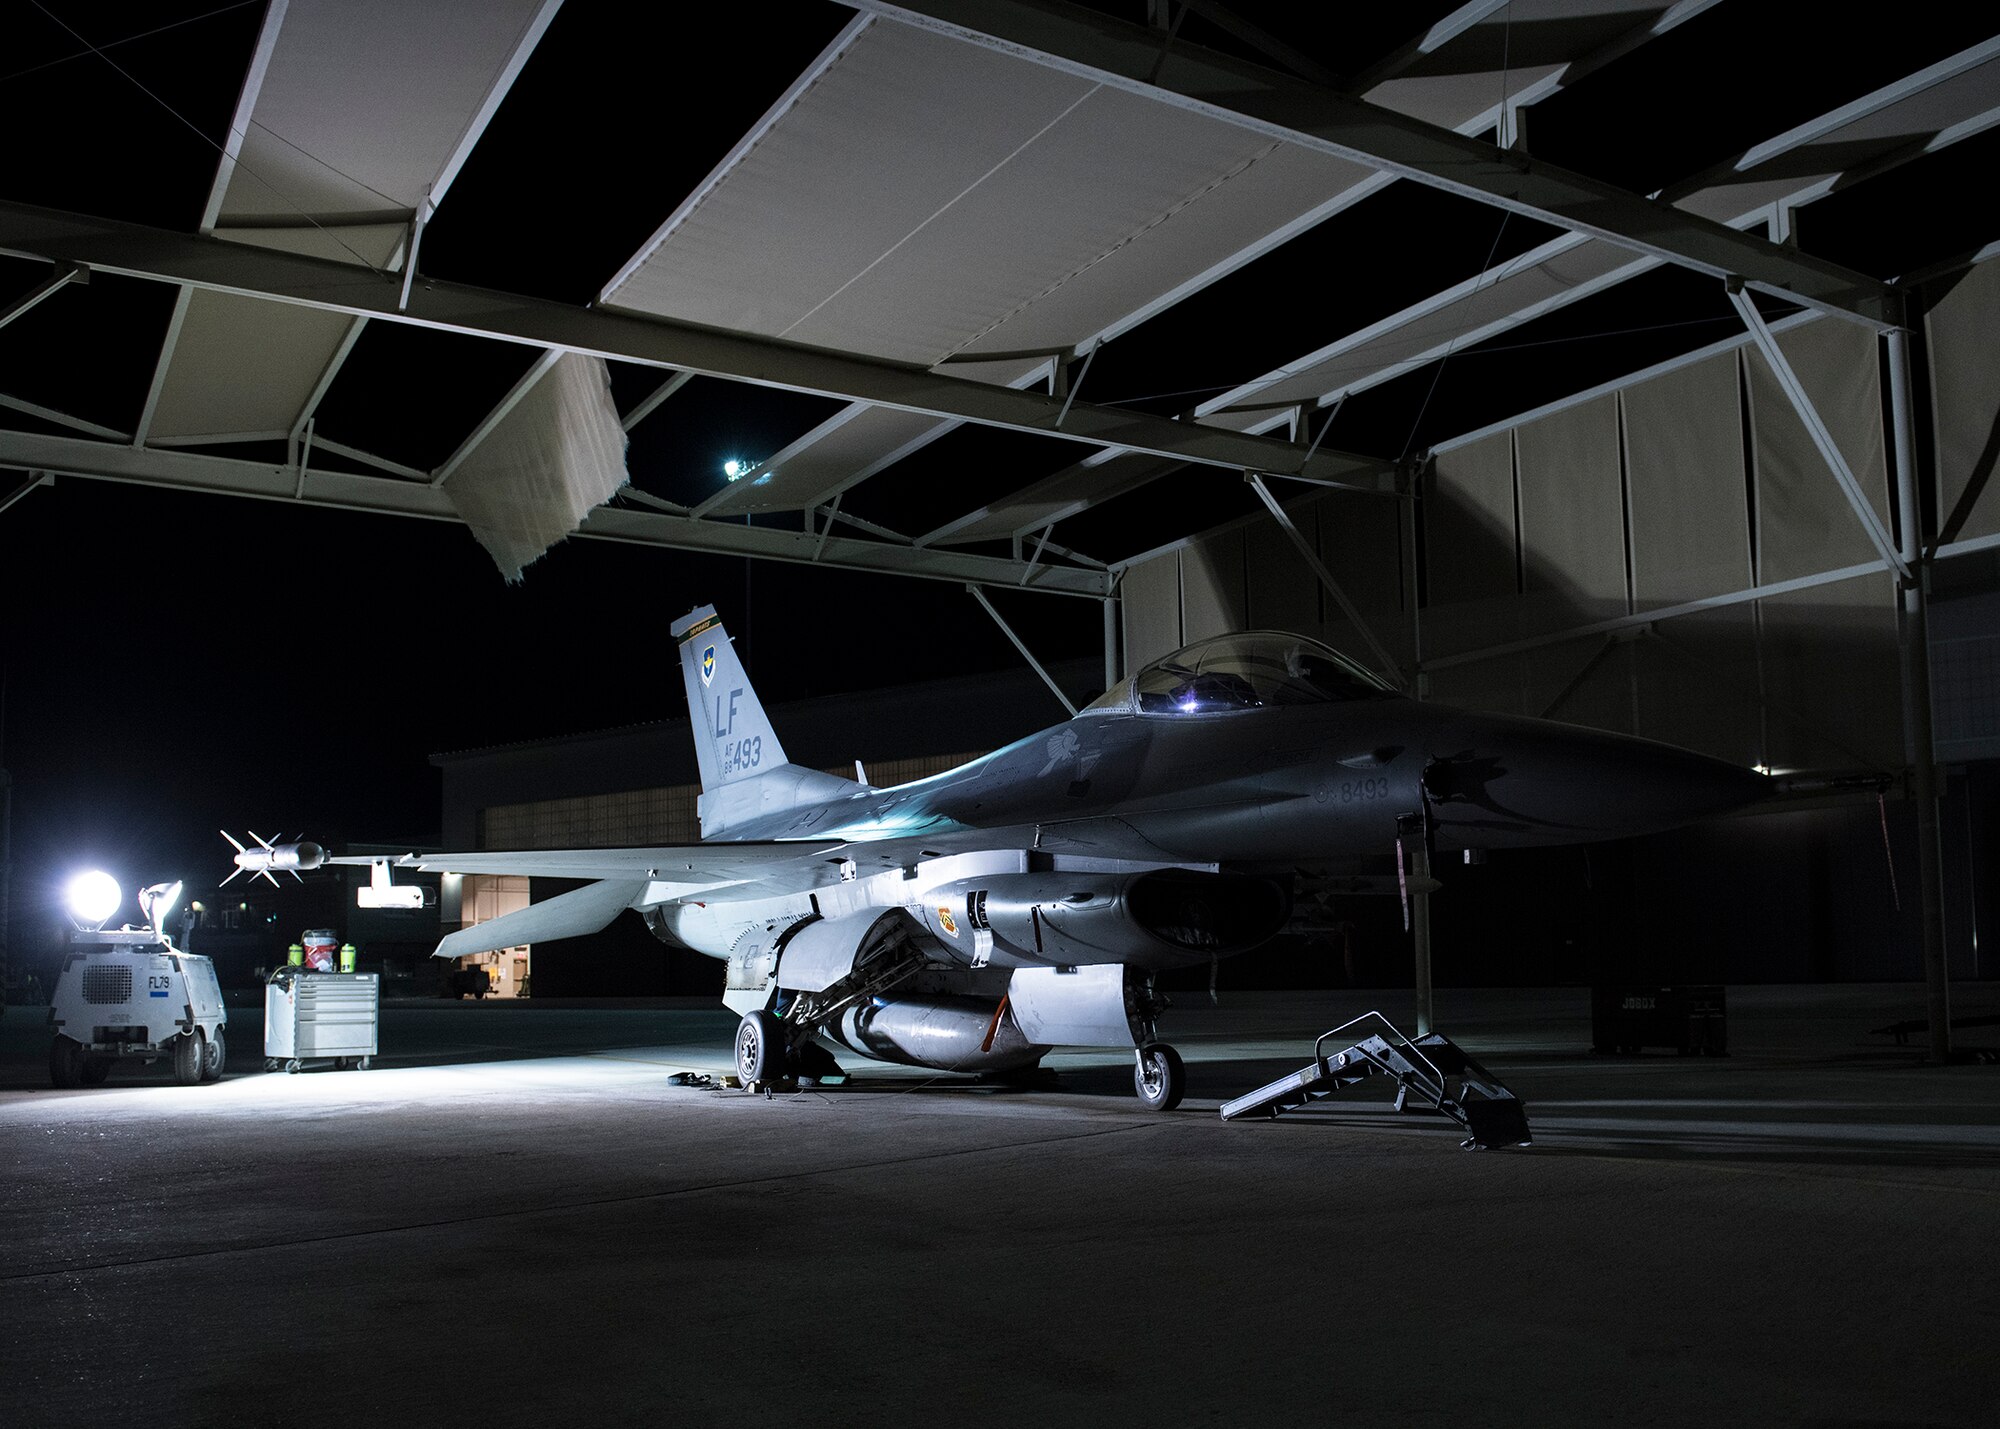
(760,1049)
(765,1054)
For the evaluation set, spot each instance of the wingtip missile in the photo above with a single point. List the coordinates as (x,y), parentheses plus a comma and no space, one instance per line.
(269,854)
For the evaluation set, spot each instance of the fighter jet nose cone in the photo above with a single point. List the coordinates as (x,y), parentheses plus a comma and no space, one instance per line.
(1525,783)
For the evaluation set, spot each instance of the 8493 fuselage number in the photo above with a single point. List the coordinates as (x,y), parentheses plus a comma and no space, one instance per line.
(1354,791)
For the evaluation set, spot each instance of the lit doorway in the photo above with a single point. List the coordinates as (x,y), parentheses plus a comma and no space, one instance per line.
(485,897)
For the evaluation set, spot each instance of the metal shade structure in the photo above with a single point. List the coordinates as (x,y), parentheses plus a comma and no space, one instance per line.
(954,238)
(940,221)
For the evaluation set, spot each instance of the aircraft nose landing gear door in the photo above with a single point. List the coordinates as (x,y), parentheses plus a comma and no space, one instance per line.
(1101,1005)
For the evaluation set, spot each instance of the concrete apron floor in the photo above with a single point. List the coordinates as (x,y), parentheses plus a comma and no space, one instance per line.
(513,1219)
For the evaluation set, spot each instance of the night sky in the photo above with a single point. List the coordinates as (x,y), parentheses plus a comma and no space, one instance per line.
(175,664)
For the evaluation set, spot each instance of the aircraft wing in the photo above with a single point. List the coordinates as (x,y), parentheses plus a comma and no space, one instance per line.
(740,869)
(619,878)
(693,869)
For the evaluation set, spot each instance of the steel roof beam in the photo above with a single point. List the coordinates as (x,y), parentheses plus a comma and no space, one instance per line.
(1378,371)
(527,383)
(64,419)
(652,402)
(166,359)
(1816,428)
(1111,52)
(1670,19)
(35,479)
(155,254)
(390,496)
(1385,663)
(326,376)
(1440,34)
(64,275)
(1445,30)
(1022,646)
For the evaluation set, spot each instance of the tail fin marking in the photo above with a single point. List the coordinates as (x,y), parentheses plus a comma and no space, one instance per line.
(733,736)
(745,776)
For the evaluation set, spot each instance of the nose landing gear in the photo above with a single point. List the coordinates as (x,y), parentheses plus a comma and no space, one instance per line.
(1159,1077)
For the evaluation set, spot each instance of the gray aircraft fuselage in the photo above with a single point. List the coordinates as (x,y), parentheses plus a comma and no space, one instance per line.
(973,920)
(1317,783)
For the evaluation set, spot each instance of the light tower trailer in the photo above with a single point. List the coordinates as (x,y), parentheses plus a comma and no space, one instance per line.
(130,995)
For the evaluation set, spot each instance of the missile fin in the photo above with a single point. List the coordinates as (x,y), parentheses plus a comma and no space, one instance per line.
(232,842)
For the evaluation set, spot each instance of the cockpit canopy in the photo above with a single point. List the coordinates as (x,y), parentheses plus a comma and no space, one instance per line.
(1254,669)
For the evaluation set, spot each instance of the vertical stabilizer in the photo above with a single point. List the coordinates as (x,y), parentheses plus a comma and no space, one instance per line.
(733,738)
(748,788)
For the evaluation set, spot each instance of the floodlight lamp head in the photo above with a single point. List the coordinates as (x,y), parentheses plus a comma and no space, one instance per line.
(157,901)
(92,898)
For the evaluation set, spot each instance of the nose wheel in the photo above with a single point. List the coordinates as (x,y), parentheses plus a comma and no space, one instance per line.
(1159,1077)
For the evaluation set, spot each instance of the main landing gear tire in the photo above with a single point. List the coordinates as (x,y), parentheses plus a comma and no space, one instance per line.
(1159,1078)
(760,1048)
(190,1057)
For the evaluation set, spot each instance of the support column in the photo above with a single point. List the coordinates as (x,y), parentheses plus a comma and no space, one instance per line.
(1112,663)
(6,871)
(1919,747)
(1411,481)
(1385,663)
(1420,932)
(1022,646)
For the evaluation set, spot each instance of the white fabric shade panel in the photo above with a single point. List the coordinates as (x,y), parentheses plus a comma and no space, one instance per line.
(1639,499)
(1965,387)
(1794,168)
(242,365)
(555,457)
(1684,470)
(962,201)
(360,108)
(1804,523)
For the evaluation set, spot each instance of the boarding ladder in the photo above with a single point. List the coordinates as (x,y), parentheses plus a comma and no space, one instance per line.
(1424,1070)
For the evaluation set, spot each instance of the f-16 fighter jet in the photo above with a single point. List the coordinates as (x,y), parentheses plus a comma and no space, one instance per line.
(974,920)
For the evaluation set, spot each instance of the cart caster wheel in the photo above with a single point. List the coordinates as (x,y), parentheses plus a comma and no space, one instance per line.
(293,1066)
(362,1064)
(270,1064)
(66,1062)
(190,1056)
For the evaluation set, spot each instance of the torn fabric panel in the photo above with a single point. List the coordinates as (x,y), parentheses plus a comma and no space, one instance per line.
(558,455)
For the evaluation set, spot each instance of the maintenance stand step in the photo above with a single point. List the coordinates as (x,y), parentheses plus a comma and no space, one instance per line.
(1423,1068)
